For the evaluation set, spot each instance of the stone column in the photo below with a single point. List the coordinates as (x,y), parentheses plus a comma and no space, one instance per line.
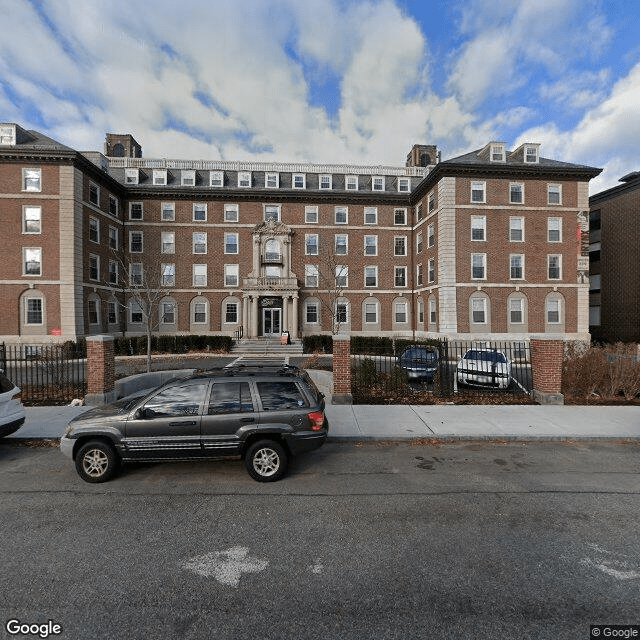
(546,369)
(254,317)
(285,314)
(101,370)
(294,320)
(245,316)
(341,370)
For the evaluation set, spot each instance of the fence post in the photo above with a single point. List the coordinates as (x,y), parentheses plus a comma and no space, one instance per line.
(341,370)
(101,370)
(546,368)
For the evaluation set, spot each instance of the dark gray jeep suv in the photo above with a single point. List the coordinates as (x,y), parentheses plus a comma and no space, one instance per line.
(264,414)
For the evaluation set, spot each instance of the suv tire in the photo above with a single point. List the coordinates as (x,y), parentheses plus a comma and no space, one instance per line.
(96,461)
(266,461)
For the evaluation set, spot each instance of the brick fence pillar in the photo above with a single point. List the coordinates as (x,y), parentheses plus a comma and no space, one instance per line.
(101,370)
(546,366)
(341,370)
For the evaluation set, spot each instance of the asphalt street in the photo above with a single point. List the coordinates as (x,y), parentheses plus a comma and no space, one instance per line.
(362,540)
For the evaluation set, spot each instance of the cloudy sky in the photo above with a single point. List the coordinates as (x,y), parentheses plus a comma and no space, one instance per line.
(329,80)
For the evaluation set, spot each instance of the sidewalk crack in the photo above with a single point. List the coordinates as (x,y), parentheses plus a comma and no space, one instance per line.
(421,420)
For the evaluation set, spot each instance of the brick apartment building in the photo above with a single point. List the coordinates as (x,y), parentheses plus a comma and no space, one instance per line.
(491,244)
(614,262)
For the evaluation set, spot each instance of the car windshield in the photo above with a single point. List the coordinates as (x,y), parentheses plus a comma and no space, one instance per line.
(5,384)
(426,355)
(485,356)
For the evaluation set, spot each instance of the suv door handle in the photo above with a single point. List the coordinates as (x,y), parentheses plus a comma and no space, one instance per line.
(180,424)
(247,419)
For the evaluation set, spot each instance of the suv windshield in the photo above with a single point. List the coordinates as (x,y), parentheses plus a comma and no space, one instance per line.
(485,356)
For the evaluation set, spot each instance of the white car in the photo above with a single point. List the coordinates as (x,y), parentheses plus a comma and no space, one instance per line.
(12,413)
(484,367)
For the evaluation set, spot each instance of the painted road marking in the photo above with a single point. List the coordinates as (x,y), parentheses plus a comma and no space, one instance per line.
(618,569)
(227,566)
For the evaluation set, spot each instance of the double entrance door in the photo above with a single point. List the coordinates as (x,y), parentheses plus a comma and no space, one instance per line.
(271,322)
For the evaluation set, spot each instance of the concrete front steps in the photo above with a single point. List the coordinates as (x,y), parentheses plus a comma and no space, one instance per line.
(266,347)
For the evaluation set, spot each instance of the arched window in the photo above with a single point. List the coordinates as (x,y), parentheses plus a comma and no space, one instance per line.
(33,313)
(168,315)
(479,312)
(554,313)
(517,313)
(199,316)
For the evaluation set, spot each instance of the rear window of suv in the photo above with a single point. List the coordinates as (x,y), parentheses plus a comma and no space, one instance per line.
(230,397)
(281,395)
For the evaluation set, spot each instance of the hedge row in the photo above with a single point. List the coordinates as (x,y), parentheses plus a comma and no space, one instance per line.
(363,345)
(171,344)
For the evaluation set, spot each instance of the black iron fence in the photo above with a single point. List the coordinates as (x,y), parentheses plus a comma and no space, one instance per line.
(51,374)
(431,371)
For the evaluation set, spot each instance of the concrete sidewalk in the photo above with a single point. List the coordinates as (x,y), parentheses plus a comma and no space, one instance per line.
(408,422)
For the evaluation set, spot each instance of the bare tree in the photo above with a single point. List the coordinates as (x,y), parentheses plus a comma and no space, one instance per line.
(142,286)
(332,281)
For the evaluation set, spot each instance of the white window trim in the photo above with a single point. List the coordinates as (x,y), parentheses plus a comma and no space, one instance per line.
(371,286)
(484,192)
(404,222)
(484,266)
(311,271)
(195,275)
(299,175)
(431,272)
(232,270)
(131,234)
(348,179)
(549,219)
(536,151)
(41,299)
(215,177)
(346,215)
(396,269)
(188,178)
(227,305)
(206,312)
(521,229)
(307,305)
(554,204)
(231,208)
(237,243)
(370,210)
(330,180)
(499,150)
(131,206)
(117,205)
(554,255)
(159,177)
(271,174)
(25,208)
(377,179)
(201,206)
(132,176)
(93,256)
(406,245)
(483,220)
(516,184)
(404,181)
(24,180)
(510,310)
(311,209)
(171,268)
(346,244)
(167,206)
(97,188)
(513,255)
(374,245)
(193,243)
(546,311)
(484,310)
(377,311)
(307,236)
(97,230)
(244,176)
(169,235)
(342,271)
(397,305)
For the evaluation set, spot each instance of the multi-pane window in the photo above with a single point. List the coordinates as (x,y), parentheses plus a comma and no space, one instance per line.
(401,312)
(231,243)
(32,180)
(420,311)
(299,180)
(432,312)
(311,244)
(231,275)
(400,276)
(94,194)
(342,276)
(371,312)
(112,313)
(92,307)
(136,241)
(168,275)
(199,212)
(200,313)
(135,211)
(135,274)
(377,183)
(516,229)
(32,220)
(341,313)
(114,238)
(113,205)
(244,178)
(531,154)
(553,310)
(131,176)
(351,183)
(371,276)
(419,214)
(32,261)
(371,245)
(400,246)
(342,215)
(231,313)
(371,215)
(311,214)
(312,312)
(216,178)
(168,242)
(113,272)
(419,279)
(231,213)
(516,310)
(554,267)
(419,242)
(516,261)
(516,193)
(554,229)
(135,312)
(159,177)
(199,275)
(94,230)
(188,178)
(168,211)
(432,201)
(479,310)
(271,180)
(199,242)
(33,310)
(478,227)
(311,276)
(478,266)
(497,153)
(431,235)
(94,268)
(272,212)
(554,194)
(478,190)
(341,245)
(404,185)
(399,216)
(325,182)
(168,313)
(431,270)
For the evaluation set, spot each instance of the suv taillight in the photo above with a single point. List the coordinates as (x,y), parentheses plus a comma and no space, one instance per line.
(317,420)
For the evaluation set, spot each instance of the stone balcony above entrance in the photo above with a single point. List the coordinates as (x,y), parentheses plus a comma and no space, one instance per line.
(270,283)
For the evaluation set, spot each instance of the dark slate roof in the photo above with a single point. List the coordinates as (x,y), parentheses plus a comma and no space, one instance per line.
(473,159)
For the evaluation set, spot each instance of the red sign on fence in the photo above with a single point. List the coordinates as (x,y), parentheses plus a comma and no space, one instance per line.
(56,332)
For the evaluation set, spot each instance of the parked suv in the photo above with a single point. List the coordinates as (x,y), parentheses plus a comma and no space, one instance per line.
(264,414)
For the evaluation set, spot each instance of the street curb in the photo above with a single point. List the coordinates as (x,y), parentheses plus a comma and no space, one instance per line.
(491,438)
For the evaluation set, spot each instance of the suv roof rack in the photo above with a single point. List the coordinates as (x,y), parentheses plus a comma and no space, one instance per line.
(254,368)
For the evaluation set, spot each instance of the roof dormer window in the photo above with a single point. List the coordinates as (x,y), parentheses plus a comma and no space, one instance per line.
(244,178)
(7,135)
(131,176)
(159,176)
(497,153)
(271,180)
(531,153)
(189,178)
